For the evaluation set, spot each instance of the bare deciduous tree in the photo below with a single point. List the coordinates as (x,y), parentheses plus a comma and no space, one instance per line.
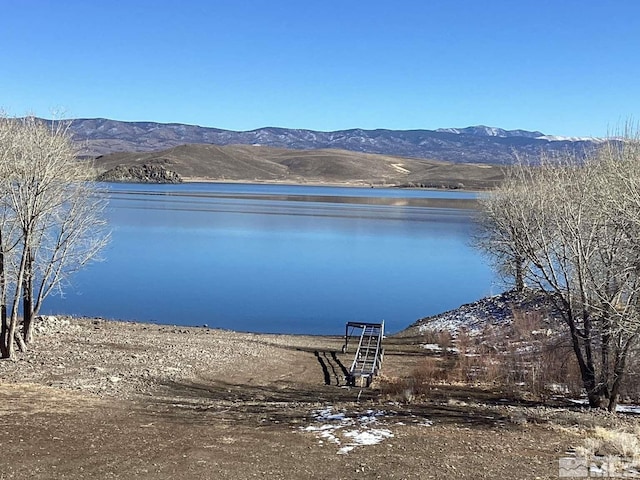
(51,214)
(504,217)
(573,225)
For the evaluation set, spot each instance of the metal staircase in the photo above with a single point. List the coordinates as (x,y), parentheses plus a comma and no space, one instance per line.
(368,358)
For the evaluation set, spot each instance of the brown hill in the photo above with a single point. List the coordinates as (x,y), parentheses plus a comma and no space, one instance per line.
(245,163)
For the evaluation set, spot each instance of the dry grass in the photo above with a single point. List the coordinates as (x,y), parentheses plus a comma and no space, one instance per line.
(526,359)
(620,448)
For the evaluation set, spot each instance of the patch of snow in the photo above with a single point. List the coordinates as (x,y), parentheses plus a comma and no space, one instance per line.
(371,416)
(432,347)
(368,437)
(619,408)
(326,415)
(559,138)
(526,349)
(448,130)
(325,431)
(557,388)
(494,311)
(345,450)
(628,409)
(547,332)
(364,428)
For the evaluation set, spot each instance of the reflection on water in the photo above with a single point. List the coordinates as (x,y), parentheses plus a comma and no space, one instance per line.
(292,259)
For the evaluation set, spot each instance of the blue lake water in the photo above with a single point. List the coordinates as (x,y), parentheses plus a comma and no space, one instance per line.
(278,258)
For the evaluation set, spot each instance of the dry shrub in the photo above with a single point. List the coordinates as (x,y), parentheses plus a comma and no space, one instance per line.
(427,372)
(442,338)
(525,357)
(589,447)
(525,323)
(543,365)
(390,386)
(396,388)
(464,339)
(475,368)
(630,389)
(429,336)
(603,442)
(552,370)
(619,443)
(558,366)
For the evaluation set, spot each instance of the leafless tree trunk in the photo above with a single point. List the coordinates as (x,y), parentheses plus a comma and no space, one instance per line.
(27,296)
(4,325)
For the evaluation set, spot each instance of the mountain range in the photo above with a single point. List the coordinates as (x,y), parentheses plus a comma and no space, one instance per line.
(478,144)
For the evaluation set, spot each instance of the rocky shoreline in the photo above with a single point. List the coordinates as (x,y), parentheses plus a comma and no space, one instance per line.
(494,311)
(126,359)
(112,358)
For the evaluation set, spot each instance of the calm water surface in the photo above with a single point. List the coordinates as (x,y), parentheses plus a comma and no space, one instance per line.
(277,258)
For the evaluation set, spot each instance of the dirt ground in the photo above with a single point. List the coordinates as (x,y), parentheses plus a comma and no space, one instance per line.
(114,400)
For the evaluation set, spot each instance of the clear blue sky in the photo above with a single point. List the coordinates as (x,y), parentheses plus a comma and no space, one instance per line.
(564,67)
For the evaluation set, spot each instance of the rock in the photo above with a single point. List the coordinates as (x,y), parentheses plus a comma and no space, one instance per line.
(145,173)
(49,324)
(495,311)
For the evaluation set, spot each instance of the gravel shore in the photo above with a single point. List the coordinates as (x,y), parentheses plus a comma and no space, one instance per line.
(128,359)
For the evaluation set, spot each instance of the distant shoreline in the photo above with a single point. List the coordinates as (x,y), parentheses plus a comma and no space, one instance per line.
(444,203)
(354,184)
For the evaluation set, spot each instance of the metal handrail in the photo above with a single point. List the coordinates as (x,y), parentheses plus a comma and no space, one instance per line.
(355,358)
(379,350)
(368,332)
